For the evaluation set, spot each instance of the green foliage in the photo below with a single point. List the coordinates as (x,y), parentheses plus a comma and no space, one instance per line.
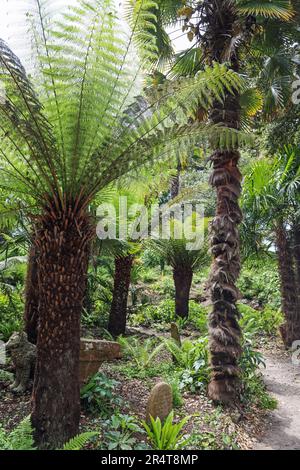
(259,281)
(164,313)
(98,395)
(192,361)
(176,392)
(167,435)
(141,353)
(78,442)
(12,310)
(18,439)
(119,432)
(266,321)
(251,359)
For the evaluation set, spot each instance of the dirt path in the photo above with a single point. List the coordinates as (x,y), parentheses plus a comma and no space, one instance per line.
(283,381)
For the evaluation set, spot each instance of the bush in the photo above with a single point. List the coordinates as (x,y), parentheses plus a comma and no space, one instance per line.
(192,360)
(266,321)
(259,281)
(165,313)
(167,435)
(98,395)
(12,310)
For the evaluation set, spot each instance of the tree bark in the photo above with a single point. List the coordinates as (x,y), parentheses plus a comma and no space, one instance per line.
(62,240)
(290,330)
(118,311)
(31,297)
(224,329)
(183,277)
(296,250)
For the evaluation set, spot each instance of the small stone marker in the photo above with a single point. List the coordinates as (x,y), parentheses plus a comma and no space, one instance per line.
(160,402)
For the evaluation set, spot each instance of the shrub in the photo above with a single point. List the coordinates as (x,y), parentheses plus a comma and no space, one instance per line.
(266,321)
(141,353)
(11,308)
(165,313)
(192,360)
(98,395)
(259,281)
(119,433)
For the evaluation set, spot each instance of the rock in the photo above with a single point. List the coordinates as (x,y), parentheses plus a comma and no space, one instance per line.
(93,353)
(160,402)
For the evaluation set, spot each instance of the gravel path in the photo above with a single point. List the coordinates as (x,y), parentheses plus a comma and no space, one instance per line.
(282,378)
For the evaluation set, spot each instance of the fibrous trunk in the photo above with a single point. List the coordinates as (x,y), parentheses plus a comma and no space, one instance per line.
(118,312)
(290,331)
(183,277)
(224,329)
(31,297)
(62,240)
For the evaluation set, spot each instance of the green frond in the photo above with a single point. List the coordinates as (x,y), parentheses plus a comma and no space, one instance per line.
(78,442)
(282,9)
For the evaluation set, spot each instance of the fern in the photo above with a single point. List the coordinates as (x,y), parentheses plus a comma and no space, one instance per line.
(78,442)
(19,439)
(74,136)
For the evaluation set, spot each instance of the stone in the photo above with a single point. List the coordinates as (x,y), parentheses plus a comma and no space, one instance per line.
(23,355)
(160,402)
(93,353)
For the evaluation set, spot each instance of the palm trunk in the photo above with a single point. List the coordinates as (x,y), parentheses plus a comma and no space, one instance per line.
(183,277)
(31,297)
(63,243)
(224,329)
(290,331)
(296,250)
(118,312)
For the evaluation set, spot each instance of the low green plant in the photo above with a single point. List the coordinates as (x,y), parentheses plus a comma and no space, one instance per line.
(119,433)
(156,369)
(166,435)
(176,392)
(251,359)
(259,281)
(20,438)
(142,353)
(98,395)
(6,376)
(79,441)
(265,321)
(192,360)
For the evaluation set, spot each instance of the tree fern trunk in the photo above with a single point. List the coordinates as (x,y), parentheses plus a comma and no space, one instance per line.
(118,312)
(290,331)
(183,277)
(224,329)
(31,297)
(63,243)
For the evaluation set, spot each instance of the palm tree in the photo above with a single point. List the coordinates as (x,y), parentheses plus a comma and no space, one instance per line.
(271,196)
(63,141)
(184,262)
(222,30)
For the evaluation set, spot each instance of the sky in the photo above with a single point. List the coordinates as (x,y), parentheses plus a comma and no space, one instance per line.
(13,26)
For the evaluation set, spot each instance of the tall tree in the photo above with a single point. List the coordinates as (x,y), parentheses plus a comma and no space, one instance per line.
(61,143)
(222,30)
